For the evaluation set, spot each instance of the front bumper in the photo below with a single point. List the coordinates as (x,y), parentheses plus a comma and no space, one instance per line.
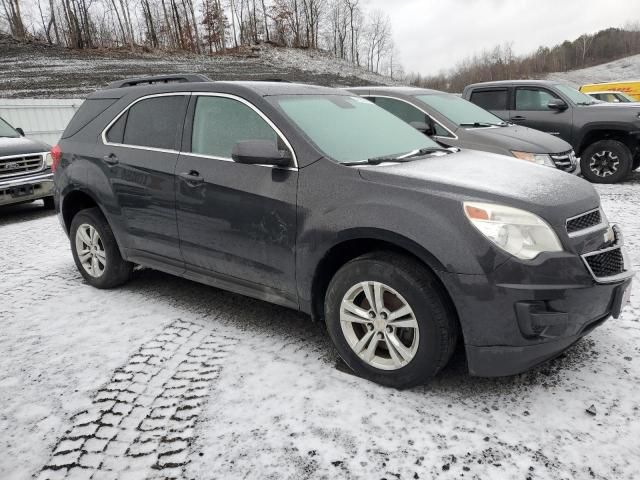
(26,189)
(524,314)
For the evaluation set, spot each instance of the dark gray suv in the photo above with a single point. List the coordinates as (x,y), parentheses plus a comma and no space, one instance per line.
(318,200)
(455,122)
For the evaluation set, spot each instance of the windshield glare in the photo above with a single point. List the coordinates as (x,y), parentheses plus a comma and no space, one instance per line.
(351,129)
(459,110)
(7,130)
(575,96)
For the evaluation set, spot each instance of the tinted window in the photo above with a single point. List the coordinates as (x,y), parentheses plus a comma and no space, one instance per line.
(116,132)
(155,122)
(219,123)
(490,99)
(350,129)
(401,109)
(459,110)
(89,110)
(533,99)
(409,113)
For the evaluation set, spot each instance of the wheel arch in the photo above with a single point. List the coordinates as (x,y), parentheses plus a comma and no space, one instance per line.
(597,133)
(357,242)
(76,200)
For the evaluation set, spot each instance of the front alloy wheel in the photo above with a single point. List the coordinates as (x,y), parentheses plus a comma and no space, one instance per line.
(604,163)
(379,325)
(390,319)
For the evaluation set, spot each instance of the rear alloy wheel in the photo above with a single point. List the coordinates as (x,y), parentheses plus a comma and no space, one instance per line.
(390,319)
(96,252)
(606,161)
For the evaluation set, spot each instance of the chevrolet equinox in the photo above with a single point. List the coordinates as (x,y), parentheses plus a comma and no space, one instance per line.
(318,200)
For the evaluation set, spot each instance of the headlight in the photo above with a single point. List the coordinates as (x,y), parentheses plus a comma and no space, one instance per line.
(539,158)
(48,160)
(518,232)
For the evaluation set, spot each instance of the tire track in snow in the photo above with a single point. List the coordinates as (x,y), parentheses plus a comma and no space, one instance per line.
(141,423)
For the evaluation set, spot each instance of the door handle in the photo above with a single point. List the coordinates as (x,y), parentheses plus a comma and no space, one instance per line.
(111,159)
(192,177)
(518,118)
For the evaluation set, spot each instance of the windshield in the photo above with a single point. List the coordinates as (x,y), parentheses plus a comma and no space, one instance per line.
(351,129)
(7,130)
(460,111)
(575,96)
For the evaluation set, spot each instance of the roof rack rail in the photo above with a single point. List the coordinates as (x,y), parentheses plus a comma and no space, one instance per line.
(279,80)
(156,79)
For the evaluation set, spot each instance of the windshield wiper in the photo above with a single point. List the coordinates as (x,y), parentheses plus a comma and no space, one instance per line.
(483,124)
(407,157)
(586,103)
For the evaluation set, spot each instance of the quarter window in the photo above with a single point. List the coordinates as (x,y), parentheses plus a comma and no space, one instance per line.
(533,99)
(219,123)
(490,99)
(153,122)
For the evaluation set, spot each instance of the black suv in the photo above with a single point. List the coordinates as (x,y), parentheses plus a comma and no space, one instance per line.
(318,200)
(605,135)
(25,168)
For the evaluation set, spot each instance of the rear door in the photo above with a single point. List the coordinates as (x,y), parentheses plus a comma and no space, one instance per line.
(237,222)
(530,108)
(141,151)
(494,99)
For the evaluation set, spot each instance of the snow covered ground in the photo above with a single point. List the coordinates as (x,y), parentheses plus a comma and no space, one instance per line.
(627,68)
(167,378)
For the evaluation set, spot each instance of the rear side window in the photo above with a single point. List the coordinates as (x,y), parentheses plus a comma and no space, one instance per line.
(219,123)
(153,122)
(490,99)
(89,110)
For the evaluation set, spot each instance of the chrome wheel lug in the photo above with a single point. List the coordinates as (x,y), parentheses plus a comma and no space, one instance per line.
(372,314)
(389,329)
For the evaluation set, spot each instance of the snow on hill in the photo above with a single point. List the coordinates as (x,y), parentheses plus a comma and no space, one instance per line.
(627,68)
(35,70)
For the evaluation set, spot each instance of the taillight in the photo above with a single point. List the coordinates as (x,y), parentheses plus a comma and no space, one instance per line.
(56,155)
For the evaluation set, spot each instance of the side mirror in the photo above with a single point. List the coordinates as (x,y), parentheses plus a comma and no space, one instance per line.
(423,127)
(260,152)
(20,131)
(557,104)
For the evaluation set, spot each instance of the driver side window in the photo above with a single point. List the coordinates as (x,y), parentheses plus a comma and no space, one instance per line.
(220,122)
(408,113)
(533,99)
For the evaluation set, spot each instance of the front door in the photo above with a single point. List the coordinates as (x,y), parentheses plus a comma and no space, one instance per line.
(531,110)
(237,222)
(141,152)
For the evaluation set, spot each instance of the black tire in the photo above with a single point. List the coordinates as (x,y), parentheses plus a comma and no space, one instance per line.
(436,319)
(49,204)
(116,271)
(606,161)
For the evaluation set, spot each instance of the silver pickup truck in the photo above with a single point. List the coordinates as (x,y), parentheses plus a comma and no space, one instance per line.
(25,168)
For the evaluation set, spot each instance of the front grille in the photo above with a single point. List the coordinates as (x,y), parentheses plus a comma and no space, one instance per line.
(584,221)
(606,264)
(14,166)
(565,161)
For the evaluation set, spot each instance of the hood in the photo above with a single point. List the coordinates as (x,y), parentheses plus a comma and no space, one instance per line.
(470,175)
(518,138)
(603,111)
(21,146)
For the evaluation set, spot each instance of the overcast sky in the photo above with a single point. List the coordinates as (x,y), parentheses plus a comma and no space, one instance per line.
(434,35)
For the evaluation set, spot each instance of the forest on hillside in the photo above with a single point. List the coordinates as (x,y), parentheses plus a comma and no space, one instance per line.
(500,63)
(342,27)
